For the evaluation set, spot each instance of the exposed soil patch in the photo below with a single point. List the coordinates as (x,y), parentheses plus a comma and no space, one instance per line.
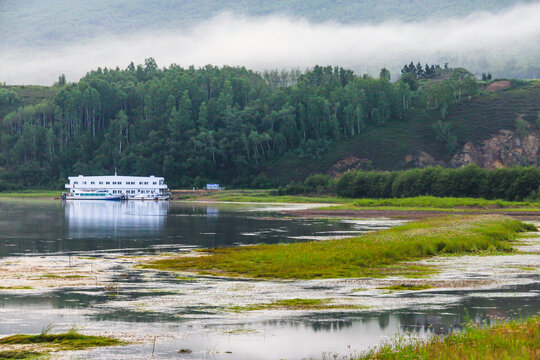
(498,85)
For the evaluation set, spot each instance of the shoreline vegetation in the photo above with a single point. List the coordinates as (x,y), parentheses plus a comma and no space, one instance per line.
(31,193)
(516,339)
(332,205)
(378,254)
(22,346)
(431,203)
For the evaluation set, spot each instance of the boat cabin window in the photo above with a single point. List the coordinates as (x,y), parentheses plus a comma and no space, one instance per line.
(119,183)
(101,183)
(160,182)
(107,183)
(154,183)
(92,182)
(75,182)
(84,182)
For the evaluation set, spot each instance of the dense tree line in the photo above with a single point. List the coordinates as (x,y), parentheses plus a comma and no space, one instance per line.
(426,72)
(207,124)
(510,183)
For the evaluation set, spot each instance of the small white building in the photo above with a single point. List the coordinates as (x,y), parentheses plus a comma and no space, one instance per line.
(131,186)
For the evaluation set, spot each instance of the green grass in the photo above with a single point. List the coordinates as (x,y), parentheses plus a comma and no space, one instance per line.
(15,287)
(259,196)
(21,354)
(514,340)
(70,340)
(54,276)
(31,194)
(406,287)
(375,254)
(419,203)
(445,203)
(297,304)
(442,204)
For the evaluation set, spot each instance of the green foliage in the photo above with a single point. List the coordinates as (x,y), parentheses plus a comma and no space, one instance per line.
(443,134)
(521,127)
(387,147)
(471,181)
(8,97)
(319,183)
(373,254)
(512,340)
(193,124)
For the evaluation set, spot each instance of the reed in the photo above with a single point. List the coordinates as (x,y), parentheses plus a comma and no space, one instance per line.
(513,340)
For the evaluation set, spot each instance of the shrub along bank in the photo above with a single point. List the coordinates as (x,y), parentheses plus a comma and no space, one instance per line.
(512,184)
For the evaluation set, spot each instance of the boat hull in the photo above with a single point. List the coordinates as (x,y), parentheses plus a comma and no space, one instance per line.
(89,197)
(154,198)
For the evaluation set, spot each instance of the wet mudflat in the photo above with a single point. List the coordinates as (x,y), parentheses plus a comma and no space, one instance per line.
(76,264)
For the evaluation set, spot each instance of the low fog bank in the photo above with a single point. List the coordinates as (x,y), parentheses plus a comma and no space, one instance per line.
(505,43)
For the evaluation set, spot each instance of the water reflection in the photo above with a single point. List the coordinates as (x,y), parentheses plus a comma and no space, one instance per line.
(114,218)
(74,226)
(289,337)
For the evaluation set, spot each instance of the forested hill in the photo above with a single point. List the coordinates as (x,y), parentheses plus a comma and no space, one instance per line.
(239,127)
(30,22)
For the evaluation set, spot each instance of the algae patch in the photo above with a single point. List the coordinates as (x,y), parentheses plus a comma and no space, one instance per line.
(297,304)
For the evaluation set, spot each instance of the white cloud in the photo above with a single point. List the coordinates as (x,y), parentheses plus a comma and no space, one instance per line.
(281,42)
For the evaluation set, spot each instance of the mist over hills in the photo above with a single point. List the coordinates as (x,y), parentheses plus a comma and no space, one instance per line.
(57,22)
(46,38)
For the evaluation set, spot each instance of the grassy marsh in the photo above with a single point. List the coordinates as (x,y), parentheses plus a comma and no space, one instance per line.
(512,340)
(31,194)
(21,354)
(375,254)
(262,196)
(70,340)
(15,287)
(431,203)
(406,287)
(297,304)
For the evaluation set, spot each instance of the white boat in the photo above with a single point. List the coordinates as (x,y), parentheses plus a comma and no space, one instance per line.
(78,194)
(128,187)
(150,196)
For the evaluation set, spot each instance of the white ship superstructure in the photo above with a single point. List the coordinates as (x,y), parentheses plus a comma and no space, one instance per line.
(131,187)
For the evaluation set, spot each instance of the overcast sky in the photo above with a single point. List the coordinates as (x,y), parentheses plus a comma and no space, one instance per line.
(280,42)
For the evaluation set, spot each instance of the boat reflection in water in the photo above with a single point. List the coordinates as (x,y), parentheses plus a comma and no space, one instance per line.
(115,219)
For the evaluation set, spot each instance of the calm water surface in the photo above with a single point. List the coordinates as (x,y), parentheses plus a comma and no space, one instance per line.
(49,228)
(37,226)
